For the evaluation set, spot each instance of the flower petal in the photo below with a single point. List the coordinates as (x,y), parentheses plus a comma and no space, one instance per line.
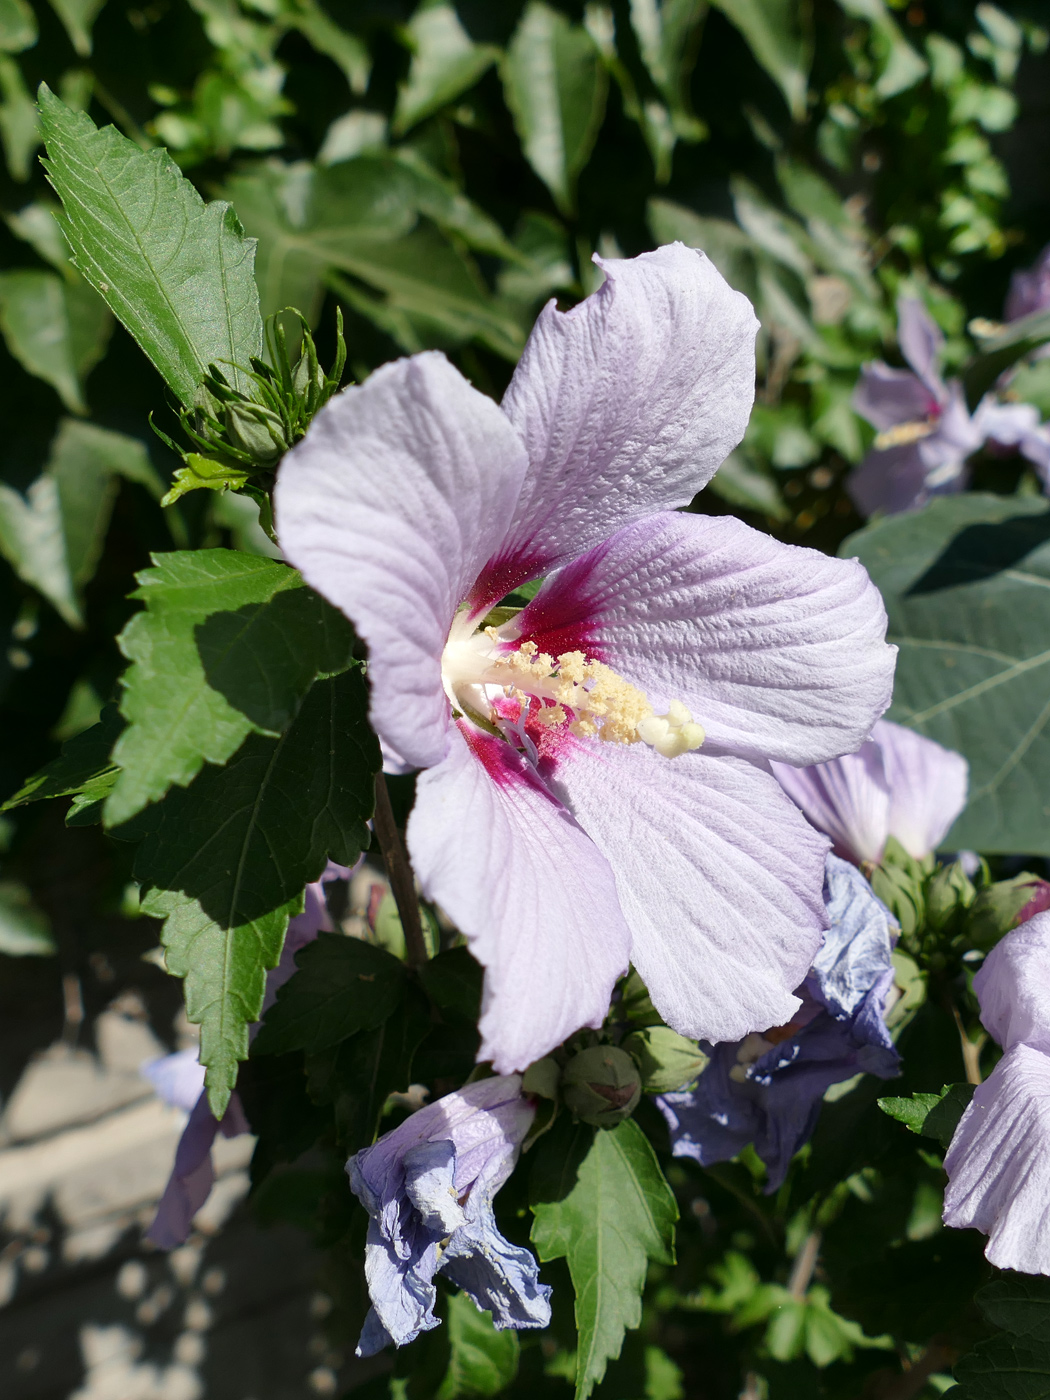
(718,873)
(892,481)
(1014,989)
(886,397)
(628,403)
(927,786)
(848,799)
(535,899)
(502,1278)
(998,1164)
(389,507)
(191,1180)
(920,340)
(778,651)
(854,961)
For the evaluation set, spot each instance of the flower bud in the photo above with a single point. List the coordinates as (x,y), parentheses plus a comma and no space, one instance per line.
(1004,905)
(257,431)
(601,1086)
(950,889)
(665,1059)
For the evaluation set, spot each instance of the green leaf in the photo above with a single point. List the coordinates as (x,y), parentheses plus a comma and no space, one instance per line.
(84,760)
(18,29)
(78,17)
(343,48)
(228,642)
(24,929)
(54,328)
(453,981)
(668,34)
(777,34)
(555,85)
(965,582)
(931,1115)
(742,484)
(999,352)
(224,861)
(482,1361)
(37,224)
(600,1202)
(175,271)
(342,986)
(203,473)
(1014,1364)
(19,126)
(901,66)
(53,537)
(445,63)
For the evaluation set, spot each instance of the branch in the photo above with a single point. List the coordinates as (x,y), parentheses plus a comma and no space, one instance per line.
(399,870)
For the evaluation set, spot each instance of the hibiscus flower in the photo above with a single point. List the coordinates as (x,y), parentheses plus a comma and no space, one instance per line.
(567,818)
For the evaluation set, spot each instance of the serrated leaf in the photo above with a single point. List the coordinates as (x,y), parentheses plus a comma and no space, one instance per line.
(965,581)
(341,986)
(1014,1364)
(453,981)
(83,760)
(53,536)
(481,1361)
(186,701)
(777,34)
(56,329)
(24,929)
(176,272)
(600,1202)
(931,1115)
(555,84)
(445,63)
(225,860)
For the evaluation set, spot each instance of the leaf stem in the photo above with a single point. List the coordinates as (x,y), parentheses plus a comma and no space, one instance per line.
(971,1049)
(399,869)
(805,1263)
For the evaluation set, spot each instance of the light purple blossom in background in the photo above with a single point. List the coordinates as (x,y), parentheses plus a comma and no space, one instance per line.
(179,1080)
(926,431)
(428,1187)
(767,1089)
(415,504)
(1029,289)
(897,784)
(998,1163)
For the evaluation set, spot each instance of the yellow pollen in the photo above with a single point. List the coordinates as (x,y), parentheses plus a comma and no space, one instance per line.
(903,433)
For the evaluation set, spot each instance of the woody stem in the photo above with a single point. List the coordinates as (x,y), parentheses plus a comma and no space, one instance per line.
(399,870)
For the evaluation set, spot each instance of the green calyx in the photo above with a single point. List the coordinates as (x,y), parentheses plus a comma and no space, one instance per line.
(601,1086)
(665,1059)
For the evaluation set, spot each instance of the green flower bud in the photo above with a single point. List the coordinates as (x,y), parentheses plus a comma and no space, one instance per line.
(997,909)
(257,431)
(601,1086)
(899,882)
(666,1060)
(949,890)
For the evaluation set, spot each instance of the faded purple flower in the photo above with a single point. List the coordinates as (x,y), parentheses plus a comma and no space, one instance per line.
(416,504)
(898,784)
(1029,288)
(179,1080)
(767,1089)
(1015,427)
(428,1186)
(998,1163)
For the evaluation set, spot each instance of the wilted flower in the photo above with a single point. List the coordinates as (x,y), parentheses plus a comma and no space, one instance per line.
(428,1186)
(926,432)
(767,1089)
(416,504)
(898,784)
(998,1163)
(179,1080)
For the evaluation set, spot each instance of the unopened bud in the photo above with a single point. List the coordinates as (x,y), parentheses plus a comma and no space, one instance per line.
(257,431)
(949,890)
(1003,906)
(665,1059)
(601,1086)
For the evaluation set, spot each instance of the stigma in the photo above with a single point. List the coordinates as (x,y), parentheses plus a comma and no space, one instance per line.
(509,687)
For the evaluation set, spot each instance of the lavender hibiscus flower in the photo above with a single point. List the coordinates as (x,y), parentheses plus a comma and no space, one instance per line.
(926,432)
(898,784)
(179,1080)
(998,1163)
(1029,288)
(415,504)
(767,1089)
(428,1187)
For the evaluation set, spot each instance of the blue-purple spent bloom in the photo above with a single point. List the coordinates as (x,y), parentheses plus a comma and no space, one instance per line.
(428,1186)
(767,1089)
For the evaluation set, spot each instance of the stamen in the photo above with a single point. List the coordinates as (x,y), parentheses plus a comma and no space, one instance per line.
(903,433)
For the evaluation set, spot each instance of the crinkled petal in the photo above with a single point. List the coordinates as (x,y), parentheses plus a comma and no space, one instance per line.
(190,1182)
(501,1278)
(430,1174)
(920,340)
(886,397)
(778,651)
(848,799)
(389,507)
(1013,986)
(719,875)
(927,786)
(855,955)
(401,1287)
(535,899)
(998,1164)
(628,403)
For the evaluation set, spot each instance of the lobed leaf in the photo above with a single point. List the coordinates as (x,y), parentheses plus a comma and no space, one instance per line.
(481,1361)
(175,271)
(1014,1364)
(931,1115)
